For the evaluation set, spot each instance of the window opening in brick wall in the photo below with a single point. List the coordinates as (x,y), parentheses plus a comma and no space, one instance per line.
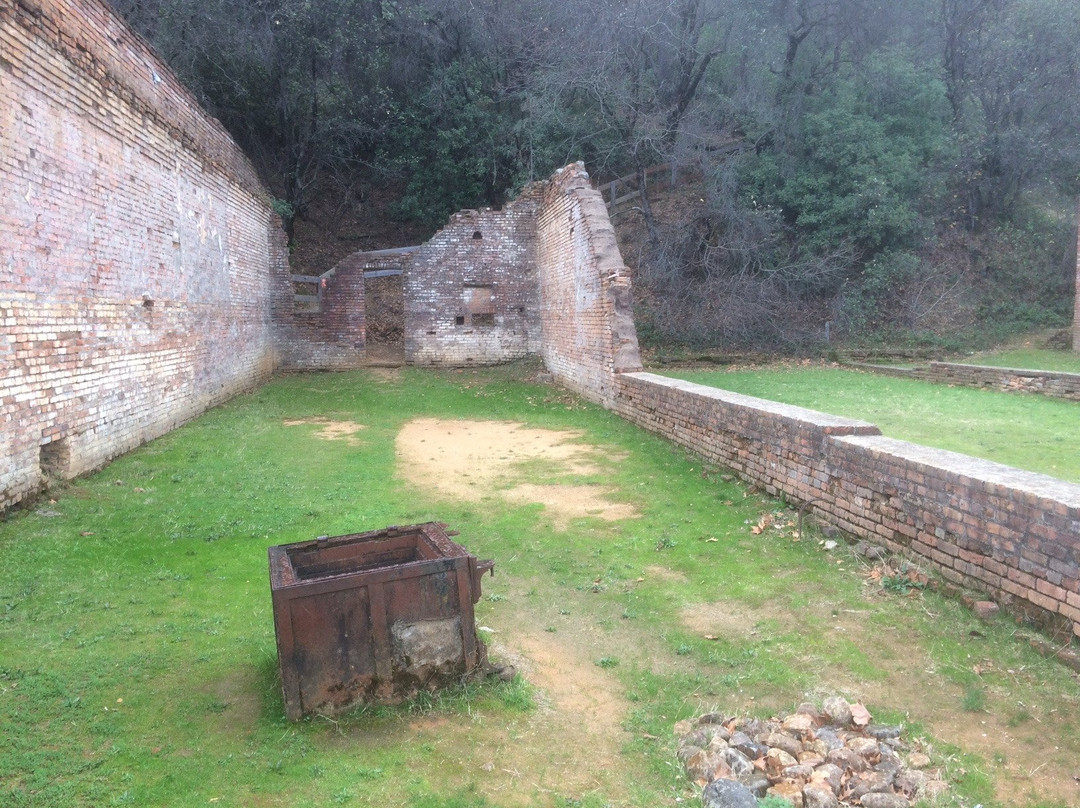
(307,293)
(459,320)
(479,300)
(54,460)
(477,235)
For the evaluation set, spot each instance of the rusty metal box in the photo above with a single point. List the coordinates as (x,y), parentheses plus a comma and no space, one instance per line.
(373,617)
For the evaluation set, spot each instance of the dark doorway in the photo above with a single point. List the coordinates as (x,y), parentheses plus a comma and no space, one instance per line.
(384,311)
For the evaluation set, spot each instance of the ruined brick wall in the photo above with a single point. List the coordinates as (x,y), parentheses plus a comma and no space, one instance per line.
(330,336)
(588,333)
(471,293)
(1053,384)
(1012,534)
(141,266)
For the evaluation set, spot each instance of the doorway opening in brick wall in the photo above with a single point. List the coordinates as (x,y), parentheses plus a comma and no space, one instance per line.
(54,460)
(384,313)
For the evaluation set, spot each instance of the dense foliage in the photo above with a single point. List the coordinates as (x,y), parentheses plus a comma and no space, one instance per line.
(898,168)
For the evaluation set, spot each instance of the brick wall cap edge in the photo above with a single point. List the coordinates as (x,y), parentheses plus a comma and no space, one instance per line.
(1029,482)
(833,424)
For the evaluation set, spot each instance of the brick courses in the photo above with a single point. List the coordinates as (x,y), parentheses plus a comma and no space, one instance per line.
(140,262)
(587,331)
(471,292)
(1012,534)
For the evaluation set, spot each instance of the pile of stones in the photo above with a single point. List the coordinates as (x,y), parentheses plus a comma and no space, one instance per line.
(814,758)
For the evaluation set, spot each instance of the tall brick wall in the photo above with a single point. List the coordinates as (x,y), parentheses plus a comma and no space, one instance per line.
(471,292)
(141,267)
(588,332)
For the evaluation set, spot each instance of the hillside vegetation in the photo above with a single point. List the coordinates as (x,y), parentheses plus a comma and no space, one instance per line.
(902,170)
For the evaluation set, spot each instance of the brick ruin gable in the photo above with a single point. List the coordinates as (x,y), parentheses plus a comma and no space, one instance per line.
(472,291)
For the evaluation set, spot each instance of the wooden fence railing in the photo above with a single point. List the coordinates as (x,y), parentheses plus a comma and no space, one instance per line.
(622,193)
(308,289)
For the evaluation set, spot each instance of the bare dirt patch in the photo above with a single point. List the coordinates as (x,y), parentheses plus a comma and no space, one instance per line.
(331,429)
(476,460)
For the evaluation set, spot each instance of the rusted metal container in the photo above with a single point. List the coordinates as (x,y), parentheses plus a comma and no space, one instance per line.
(373,617)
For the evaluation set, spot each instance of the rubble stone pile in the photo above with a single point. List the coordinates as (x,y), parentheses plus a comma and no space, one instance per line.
(814,758)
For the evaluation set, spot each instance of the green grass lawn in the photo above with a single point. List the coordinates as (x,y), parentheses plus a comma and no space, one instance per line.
(138,663)
(1026,431)
(1029,358)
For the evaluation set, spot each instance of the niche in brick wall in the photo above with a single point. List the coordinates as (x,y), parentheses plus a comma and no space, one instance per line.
(54,460)
(479,305)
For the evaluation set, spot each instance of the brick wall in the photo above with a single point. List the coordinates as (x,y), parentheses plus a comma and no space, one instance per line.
(331,336)
(1010,380)
(141,267)
(587,331)
(471,292)
(1012,534)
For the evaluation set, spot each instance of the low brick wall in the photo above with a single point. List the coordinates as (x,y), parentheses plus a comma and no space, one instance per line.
(1012,534)
(1011,380)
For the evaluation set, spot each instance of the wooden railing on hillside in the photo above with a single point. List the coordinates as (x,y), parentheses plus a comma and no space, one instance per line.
(622,193)
(308,289)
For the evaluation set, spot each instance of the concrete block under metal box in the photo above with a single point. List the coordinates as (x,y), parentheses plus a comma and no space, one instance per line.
(373,617)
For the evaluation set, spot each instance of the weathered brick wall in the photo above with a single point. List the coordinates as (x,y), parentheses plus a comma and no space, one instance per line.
(331,336)
(1010,380)
(471,294)
(140,263)
(1012,534)
(588,332)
